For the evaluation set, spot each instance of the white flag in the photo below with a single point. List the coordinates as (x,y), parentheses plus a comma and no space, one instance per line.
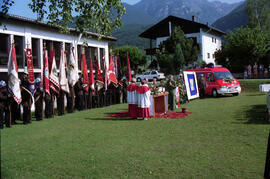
(13,80)
(73,75)
(62,77)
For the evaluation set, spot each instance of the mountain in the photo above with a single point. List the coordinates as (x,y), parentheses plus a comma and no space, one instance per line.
(135,15)
(233,20)
(204,10)
(145,13)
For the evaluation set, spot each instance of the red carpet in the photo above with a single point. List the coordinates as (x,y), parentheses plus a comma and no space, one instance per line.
(168,115)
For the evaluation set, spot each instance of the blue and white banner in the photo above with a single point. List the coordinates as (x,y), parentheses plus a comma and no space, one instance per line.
(191,85)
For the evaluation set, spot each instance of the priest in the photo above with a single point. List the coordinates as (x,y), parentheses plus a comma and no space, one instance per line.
(132,99)
(144,94)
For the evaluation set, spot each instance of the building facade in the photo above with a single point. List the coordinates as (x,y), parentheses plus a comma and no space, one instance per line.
(29,33)
(207,38)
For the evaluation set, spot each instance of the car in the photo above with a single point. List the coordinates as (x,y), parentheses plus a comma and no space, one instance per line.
(150,75)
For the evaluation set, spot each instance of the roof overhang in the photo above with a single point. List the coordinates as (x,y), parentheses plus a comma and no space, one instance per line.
(23,20)
(161,29)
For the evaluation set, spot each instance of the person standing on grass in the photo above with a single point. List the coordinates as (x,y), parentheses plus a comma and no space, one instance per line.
(249,69)
(144,94)
(255,70)
(132,99)
(4,105)
(38,95)
(124,91)
(202,86)
(170,87)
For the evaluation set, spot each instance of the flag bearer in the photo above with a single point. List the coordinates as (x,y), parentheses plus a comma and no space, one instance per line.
(4,105)
(26,99)
(38,95)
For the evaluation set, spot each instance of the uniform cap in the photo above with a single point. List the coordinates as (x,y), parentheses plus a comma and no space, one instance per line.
(2,84)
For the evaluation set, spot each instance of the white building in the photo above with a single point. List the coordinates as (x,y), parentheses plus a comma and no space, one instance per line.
(28,32)
(207,38)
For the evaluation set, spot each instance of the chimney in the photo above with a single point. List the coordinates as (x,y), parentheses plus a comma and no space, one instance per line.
(193,18)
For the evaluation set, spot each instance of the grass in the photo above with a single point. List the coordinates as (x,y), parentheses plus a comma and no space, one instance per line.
(224,137)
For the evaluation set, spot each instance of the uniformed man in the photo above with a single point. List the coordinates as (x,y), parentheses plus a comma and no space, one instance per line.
(202,86)
(38,95)
(79,99)
(170,87)
(4,105)
(124,91)
(70,99)
(26,99)
(60,103)
(48,105)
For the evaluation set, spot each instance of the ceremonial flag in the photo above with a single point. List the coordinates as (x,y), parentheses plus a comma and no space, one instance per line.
(54,80)
(13,80)
(112,76)
(115,66)
(46,72)
(98,73)
(73,76)
(91,76)
(30,68)
(63,81)
(106,80)
(99,76)
(128,69)
(85,73)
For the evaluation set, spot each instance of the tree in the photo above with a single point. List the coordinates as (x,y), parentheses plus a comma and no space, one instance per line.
(135,55)
(176,51)
(245,46)
(98,16)
(258,14)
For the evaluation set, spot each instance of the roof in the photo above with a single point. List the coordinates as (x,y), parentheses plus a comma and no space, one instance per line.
(161,29)
(47,25)
(209,69)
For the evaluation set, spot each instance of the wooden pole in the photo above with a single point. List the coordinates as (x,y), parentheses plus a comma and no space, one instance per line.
(267,161)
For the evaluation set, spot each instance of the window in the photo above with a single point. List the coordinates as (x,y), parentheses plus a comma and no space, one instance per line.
(35,53)
(208,55)
(57,52)
(210,77)
(67,51)
(213,56)
(102,58)
(79,53)
(19,50)
(153,73)
(4,50)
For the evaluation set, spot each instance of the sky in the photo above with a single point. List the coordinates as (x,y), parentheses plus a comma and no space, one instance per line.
(21,8)
(227,1)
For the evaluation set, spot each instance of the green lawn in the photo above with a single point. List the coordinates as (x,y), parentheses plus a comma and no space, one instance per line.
(224,137)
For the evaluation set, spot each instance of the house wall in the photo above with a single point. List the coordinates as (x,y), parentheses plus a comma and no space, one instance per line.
(29,31)
(210,44)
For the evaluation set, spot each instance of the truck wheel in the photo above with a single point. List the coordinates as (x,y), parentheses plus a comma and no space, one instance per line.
(139,80)
(235,94)
(214,93)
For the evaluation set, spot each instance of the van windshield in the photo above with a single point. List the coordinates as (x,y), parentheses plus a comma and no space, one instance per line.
(223,75)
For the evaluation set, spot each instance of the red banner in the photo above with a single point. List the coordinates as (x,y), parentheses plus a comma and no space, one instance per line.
(31,76)
(91,76)
(128,69)
(46,73)
(98,73)
(112,76)
(85,73)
